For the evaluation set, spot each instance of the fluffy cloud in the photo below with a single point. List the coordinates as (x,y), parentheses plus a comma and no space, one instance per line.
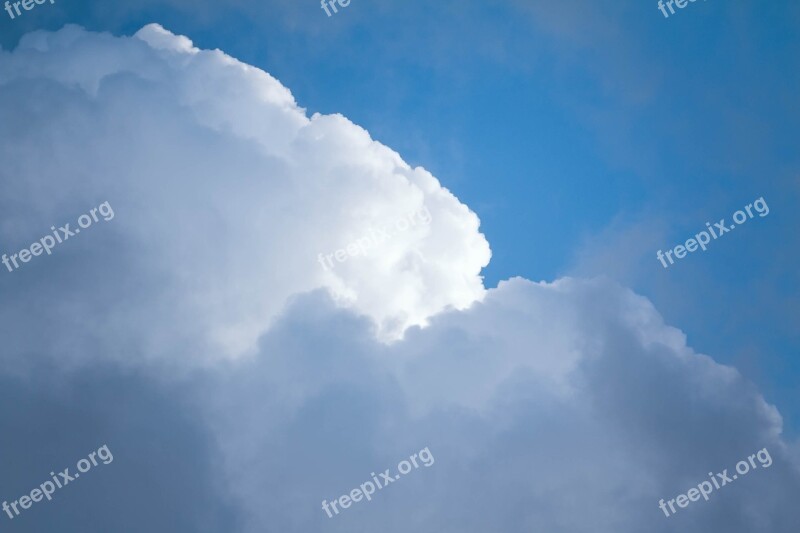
(566,406)
(225,193)
(557,407)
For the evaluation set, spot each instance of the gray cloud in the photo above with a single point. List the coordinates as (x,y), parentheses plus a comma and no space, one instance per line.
(563,407)
(164,476)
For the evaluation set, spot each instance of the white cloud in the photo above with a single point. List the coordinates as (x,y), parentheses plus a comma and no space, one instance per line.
(567,406)
(226,192)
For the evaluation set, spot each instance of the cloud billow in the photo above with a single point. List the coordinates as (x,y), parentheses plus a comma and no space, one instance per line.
(567,406)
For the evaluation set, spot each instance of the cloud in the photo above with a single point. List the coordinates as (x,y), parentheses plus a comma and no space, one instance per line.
(568,406)
(564,406)
(163,476)
(225,193)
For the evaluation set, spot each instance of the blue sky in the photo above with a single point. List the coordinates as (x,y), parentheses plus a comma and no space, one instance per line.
(585,136)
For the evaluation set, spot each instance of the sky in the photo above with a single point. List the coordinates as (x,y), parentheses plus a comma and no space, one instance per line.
(524,161)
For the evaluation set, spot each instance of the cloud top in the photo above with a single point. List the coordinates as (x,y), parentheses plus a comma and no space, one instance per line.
(226,193)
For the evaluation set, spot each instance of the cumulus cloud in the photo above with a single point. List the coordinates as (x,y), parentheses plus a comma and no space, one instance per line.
(225,193)
(565,406)
(568,406)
